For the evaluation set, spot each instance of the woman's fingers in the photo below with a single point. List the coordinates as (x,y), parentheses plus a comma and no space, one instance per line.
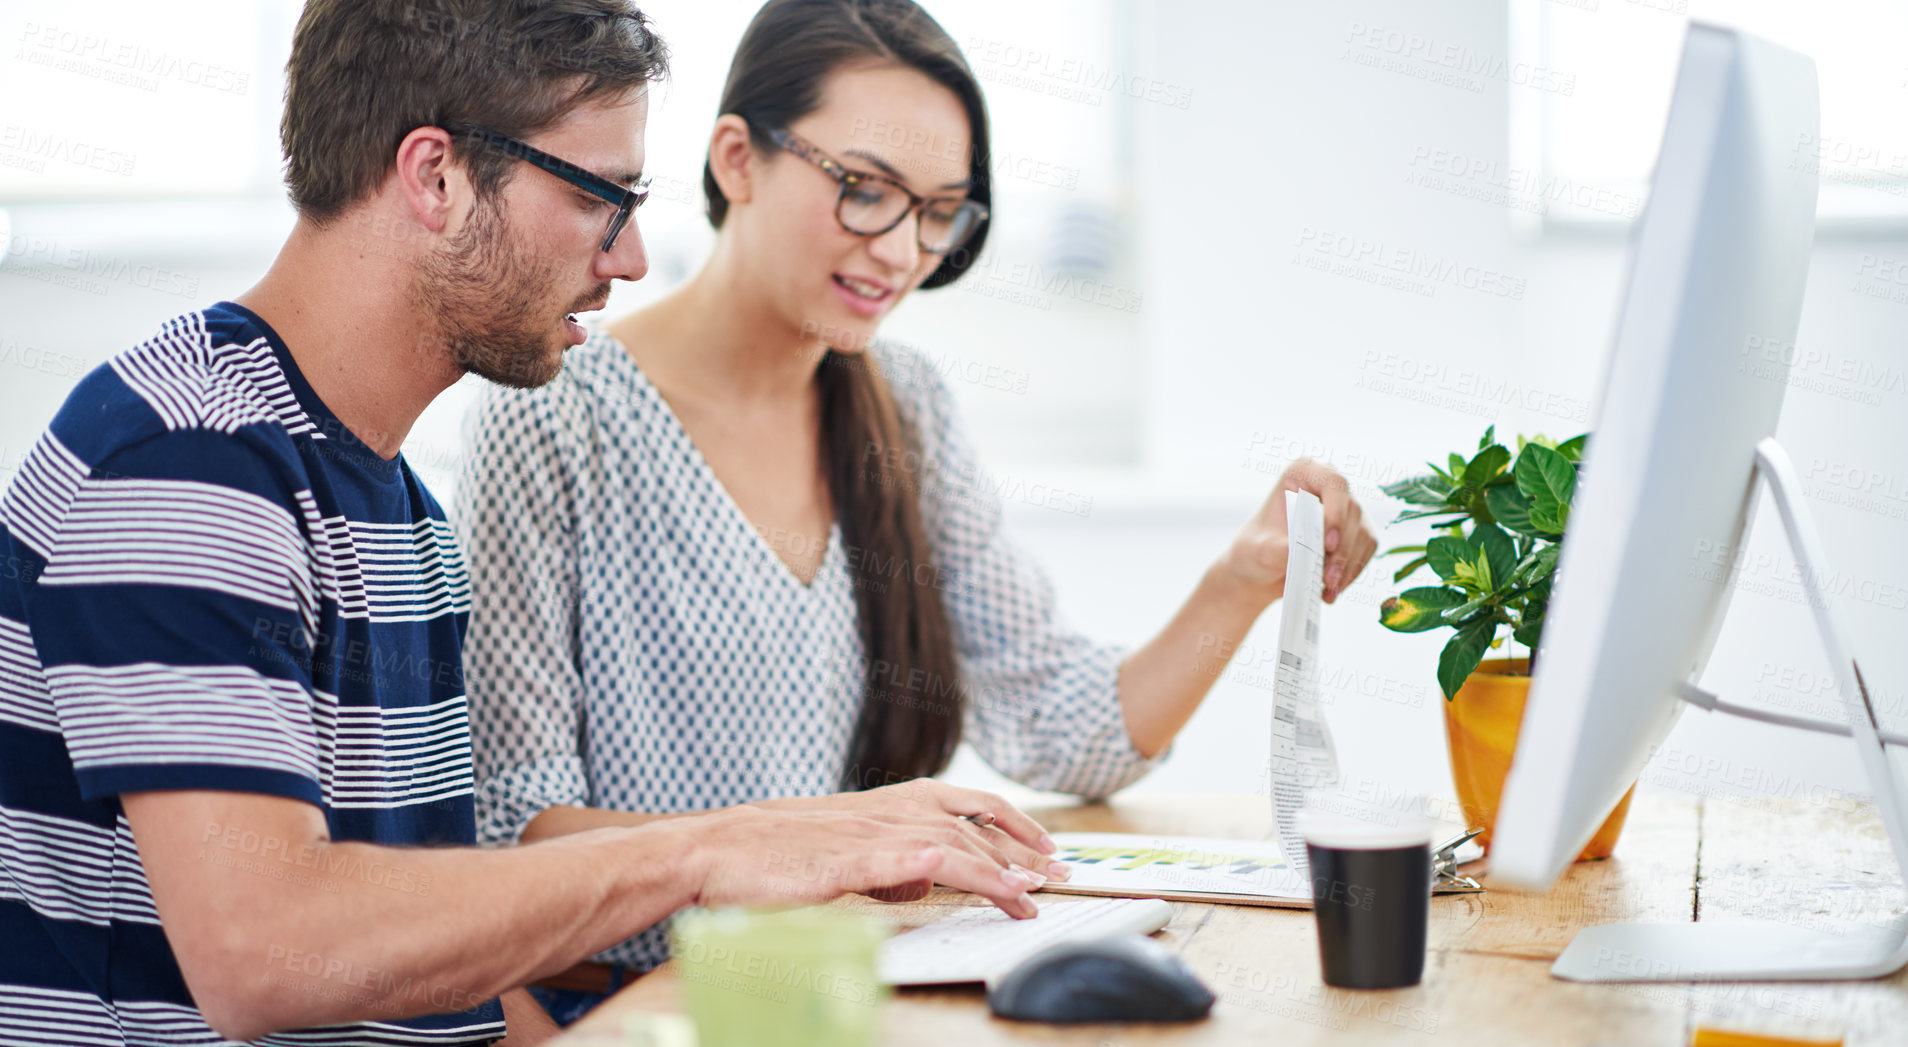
(981,824)
(989,842)
(1357,555)
(959,835)
(1344,519)
(1367,545)
(1013,834)
(889,856)
(901,874)
(966,871)
(1007,818)
(894,873)
(1024,856)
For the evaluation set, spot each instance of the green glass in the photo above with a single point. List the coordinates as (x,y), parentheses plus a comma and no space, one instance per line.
(794,978)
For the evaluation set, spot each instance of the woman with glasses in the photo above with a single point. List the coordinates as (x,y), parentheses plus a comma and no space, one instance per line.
(733,554)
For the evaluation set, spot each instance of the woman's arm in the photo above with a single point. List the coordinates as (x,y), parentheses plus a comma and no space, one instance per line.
(1163,682)
(1053,709)
(565,818)
(526,1023)
(517,512)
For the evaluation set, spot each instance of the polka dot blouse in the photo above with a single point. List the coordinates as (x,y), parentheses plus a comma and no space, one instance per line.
(636,644)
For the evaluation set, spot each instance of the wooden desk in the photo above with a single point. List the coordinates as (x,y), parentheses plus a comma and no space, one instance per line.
(1486,980)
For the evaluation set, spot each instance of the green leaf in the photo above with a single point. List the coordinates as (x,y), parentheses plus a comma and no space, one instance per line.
(1573,448)
(1488,463)
(1474,573)
(1550,521)
(1409,569)
(1461,655)
(1509,508)
(1545,476)
(1421,490)
(1415,610)
(1396,549)
(1490,437)
(1530,629)
(1496,545)
(1444,553)
(1549,481)
(1525,566)
(1420,514)
(1457,465)
(1463,612)
(1538,566)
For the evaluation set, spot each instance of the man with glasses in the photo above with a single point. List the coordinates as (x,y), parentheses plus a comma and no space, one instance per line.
(235,768)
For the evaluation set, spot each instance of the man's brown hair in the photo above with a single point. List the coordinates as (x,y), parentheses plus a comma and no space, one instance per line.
(365,73)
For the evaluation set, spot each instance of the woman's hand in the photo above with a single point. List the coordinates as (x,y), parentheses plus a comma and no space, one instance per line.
(784,855)
(998,827)
(1256,560)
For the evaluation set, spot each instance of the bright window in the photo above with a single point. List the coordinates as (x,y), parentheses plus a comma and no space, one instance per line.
(1605,133)
(126,99)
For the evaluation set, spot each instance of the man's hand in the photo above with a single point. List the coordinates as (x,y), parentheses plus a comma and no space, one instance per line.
(1015,839)
(1256,560)
(752,856)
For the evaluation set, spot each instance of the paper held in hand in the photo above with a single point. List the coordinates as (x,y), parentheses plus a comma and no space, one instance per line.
(1304,763)
(1304,767)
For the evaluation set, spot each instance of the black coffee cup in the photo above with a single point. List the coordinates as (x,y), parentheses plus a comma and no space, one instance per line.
(1371,893)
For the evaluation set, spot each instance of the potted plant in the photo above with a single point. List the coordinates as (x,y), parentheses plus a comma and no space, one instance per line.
(1502,519)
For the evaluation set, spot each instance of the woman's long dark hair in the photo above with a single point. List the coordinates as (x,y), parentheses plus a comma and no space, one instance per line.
(910,718)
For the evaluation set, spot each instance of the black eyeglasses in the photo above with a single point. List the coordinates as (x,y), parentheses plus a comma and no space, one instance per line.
(871,204)
(626,199)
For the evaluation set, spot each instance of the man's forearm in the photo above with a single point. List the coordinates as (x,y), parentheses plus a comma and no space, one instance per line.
(281,929)
(275,927)
(491,920)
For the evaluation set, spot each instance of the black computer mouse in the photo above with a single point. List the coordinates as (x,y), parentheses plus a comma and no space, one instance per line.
(1124,978)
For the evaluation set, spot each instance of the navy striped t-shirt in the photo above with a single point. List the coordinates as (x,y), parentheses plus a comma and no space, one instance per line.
(210,583)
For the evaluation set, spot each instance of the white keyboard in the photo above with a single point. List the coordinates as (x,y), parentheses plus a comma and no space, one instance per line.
(983,943)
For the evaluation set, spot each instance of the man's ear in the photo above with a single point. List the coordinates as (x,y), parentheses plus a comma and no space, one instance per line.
(428,179)
(731,158)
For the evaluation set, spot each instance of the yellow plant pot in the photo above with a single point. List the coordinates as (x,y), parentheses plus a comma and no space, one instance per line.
(1481,726)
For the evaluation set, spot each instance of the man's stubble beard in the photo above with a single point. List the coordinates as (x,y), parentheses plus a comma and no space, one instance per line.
(493,310)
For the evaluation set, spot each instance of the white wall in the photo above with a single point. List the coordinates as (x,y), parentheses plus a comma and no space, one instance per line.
(1255,358)
(1175,418)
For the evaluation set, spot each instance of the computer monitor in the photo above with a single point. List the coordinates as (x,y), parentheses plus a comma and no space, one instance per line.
(1682,440)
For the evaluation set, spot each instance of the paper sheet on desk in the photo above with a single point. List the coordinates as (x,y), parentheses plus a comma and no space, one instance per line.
(1187,868)
(1303,760)
(1192,868)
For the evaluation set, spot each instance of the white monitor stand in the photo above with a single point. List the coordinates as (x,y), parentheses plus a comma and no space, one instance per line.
(1763,951)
